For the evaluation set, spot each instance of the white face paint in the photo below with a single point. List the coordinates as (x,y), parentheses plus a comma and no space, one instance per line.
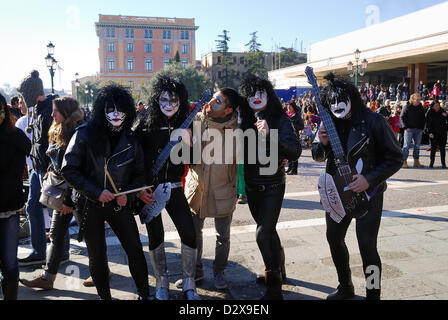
(259,101)
(169,103)
(115,117)
(341,109)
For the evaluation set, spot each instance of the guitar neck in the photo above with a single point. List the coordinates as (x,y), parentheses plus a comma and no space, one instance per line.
(333,136)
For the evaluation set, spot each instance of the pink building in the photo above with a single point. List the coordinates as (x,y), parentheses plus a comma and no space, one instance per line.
(132,49)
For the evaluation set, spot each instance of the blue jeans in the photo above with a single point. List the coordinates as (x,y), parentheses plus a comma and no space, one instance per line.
(9,242)
(414,135)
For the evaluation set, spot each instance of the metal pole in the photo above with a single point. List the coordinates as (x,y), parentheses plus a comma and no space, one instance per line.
(356,76)
(52,83)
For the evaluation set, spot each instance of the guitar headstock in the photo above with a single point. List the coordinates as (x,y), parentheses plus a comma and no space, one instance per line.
(312,80)
(205,97)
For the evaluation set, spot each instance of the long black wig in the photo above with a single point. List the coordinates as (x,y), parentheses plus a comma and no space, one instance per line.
(156,118)
(341,89)
(248,87)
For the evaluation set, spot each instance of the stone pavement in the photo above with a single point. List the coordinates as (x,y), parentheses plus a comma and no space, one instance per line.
(413,243)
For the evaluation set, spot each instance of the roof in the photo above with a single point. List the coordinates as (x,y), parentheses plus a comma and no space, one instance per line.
(152,22)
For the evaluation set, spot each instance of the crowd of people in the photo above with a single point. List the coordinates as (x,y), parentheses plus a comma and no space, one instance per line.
(104,166)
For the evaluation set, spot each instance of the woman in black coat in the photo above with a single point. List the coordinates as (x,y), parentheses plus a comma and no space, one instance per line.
(14,146)
(262,115)
(436,125)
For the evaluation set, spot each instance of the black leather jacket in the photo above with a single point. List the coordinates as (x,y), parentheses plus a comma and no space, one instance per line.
(83,166)
(372,140)
(289,148)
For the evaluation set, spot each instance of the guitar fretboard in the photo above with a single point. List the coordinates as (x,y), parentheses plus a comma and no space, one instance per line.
(165,153)
(333,136)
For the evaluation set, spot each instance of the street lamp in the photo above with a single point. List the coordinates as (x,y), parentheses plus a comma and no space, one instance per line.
(86,91)
(356,70)
(51,63)
(77,84)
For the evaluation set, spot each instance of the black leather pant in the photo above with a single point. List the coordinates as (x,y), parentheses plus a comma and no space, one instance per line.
(265,203)
(179,211)
(367,228)
(125,228)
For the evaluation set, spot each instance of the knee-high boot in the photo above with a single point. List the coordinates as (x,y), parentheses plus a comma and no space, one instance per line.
(158,261)
(273,281)
(189,256)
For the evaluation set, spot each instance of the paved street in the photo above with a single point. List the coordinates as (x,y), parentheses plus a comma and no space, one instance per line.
(412,244)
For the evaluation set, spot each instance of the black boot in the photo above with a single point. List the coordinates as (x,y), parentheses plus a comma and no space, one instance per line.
(373,294)
(282,264)
(343,292)
(10,289)
(273,280)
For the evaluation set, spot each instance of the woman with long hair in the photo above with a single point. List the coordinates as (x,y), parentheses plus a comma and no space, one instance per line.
(437,125)
(67,116)
(14,146)
(168,110)
(262,113)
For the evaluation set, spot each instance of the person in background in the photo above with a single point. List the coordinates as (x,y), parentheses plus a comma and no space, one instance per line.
(15,108)
(297,122)
(385,110)
(395,122)
(67,116)
(33,92)
(413,122)
(437,125)
(14,146)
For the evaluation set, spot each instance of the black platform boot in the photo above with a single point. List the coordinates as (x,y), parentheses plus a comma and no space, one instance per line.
(273,281)
(345,289)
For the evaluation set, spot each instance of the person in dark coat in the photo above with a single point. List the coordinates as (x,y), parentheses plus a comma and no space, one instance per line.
(437,125)
(14,146)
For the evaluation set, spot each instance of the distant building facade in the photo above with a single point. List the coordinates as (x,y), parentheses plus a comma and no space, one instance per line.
(211,63)
(132,49)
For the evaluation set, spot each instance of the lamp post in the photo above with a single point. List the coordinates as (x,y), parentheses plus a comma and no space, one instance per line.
(51,63)
(77,84)
(86,91)
(356,70)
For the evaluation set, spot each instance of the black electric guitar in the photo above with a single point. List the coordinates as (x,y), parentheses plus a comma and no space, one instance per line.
(336,196)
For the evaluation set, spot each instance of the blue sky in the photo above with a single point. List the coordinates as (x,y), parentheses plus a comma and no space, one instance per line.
(27,26)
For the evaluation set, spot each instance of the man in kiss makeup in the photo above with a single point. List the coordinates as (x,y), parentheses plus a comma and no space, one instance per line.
(369,143)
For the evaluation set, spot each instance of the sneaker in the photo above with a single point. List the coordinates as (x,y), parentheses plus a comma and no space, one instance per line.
(31,261)
(220,281)
(39,282)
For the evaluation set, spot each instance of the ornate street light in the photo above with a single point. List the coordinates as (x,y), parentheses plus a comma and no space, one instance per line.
(356,70)
(51,63)
(86,91)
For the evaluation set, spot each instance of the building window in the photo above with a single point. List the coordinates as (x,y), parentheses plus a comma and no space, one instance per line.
(129,33)
(110,32)
(166,34)
(184,35)
(219,74)
(111,47)
(130,64)
(130,47)
(166,48)
(184,62)
(234,60)
(148,47)
(184,48)
(219,59)
(148,34)
(241,60)
(111,64)
(166,61)
(148,64)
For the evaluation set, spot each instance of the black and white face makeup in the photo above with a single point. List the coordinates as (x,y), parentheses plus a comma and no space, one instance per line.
(340,104)
(114,117)
(259,100)
(169,103)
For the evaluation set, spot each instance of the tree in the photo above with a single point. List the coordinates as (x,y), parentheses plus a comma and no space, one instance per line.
(255,58)
(194,80)
(176,58)
(226,60)
(289,57)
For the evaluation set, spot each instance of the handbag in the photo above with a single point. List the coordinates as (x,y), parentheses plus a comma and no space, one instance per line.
(53,188)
